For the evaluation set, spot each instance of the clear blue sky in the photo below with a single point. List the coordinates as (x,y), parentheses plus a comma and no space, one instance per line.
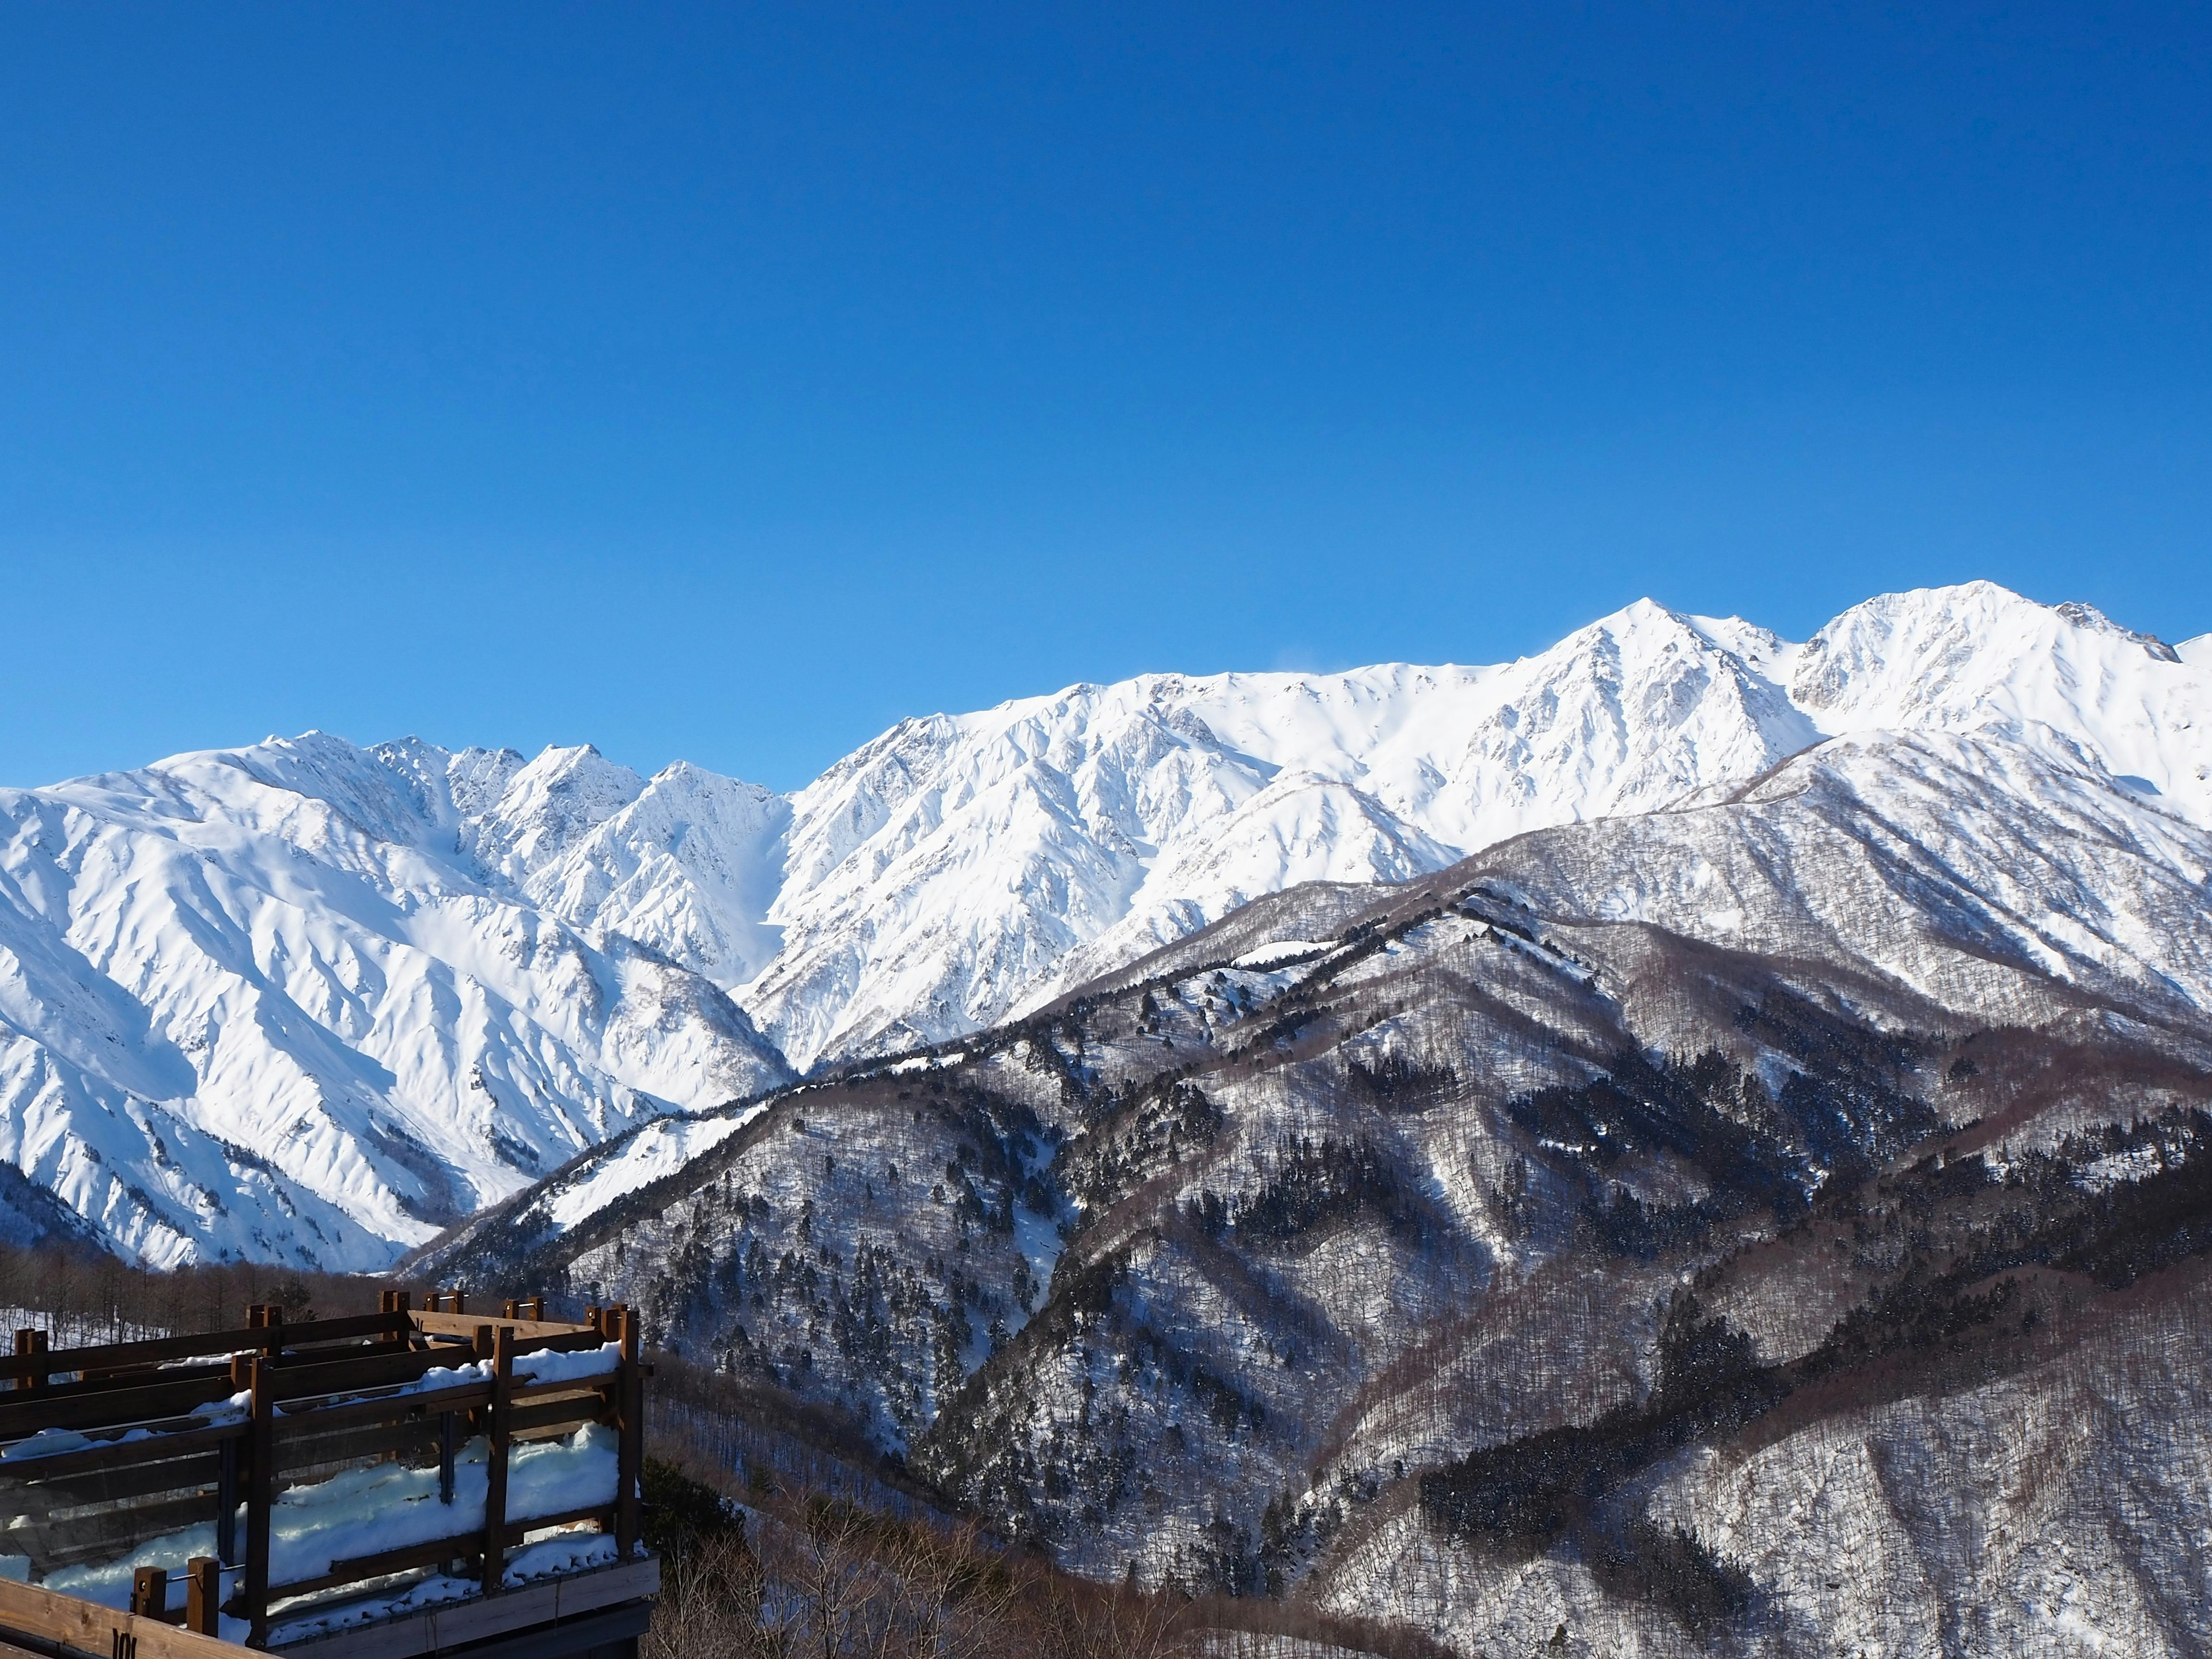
(728,382)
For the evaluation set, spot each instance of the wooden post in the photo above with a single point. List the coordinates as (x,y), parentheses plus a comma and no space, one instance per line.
(260,1497)
(506,1310)
(235,1466)
(204,1595)
(453,1303)
(150,1593)
(29,1345)
(446,1457)
(538,1307)
(496,1435)
(593,1316)
(629,1444)
(480,1418)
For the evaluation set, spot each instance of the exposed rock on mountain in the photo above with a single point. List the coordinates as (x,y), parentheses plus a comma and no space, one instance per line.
(407,982)
(1767,1224)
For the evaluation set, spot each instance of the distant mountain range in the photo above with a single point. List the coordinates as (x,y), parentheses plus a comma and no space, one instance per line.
(309,1002)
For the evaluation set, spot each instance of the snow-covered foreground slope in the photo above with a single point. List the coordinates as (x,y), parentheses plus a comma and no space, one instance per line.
(265,1003)
(308,997)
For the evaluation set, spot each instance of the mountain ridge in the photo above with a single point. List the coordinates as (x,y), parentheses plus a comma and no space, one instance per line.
(580,949)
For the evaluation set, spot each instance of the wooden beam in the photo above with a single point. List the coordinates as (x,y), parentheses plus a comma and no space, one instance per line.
(498,1433)
(154,1350)
(383,1409)
(260,1497)
(566,1599)
(26,1413)
(189,1434)
(355,1569)
(28,1368)
(49,1616)
(159,1473)
(629,1445)
(454,1324)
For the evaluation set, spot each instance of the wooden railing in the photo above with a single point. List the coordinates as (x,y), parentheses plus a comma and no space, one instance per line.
(153,1438)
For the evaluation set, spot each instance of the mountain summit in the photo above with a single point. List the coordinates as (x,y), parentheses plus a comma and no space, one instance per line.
(308,1001)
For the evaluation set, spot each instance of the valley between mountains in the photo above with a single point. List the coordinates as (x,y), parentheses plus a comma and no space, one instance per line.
(1687,1142)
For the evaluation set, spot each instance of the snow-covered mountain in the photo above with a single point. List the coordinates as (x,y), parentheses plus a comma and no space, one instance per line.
(957,870)
(1778,1224)
(270,1002)
(307,999)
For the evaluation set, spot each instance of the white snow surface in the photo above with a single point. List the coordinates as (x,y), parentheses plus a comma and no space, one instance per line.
(309,1002)
(388,1506)
(659,1149)
(268,1002)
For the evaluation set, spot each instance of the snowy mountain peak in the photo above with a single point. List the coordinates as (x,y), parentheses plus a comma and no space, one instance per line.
(550,805)
(411,979)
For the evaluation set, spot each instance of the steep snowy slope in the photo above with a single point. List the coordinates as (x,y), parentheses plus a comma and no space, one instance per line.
(959,869)
(262,1002)
(409,920)
(1619,1229)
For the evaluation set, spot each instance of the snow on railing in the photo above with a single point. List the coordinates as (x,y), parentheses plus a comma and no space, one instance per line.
(225,1482)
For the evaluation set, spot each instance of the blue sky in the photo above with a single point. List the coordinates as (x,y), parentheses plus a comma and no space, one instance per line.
(727,383)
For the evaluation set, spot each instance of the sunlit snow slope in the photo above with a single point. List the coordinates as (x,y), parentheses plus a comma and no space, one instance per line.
(268,1002)
(306,999)
(959,869)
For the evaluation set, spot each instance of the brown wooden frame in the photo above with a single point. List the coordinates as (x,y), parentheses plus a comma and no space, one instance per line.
(350,1390)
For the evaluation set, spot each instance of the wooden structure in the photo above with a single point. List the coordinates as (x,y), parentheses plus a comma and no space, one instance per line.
(122,1452)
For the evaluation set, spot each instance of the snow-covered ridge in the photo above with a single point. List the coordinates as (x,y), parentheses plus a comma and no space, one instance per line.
(960,869)
(267,1002)
(308,1000)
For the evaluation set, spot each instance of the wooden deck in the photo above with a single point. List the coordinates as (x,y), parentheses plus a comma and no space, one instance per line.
(217,1450)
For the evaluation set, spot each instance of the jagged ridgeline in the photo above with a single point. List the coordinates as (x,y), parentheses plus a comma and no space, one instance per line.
(1491,1256)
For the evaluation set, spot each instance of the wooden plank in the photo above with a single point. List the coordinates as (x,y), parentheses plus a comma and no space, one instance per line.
(440,1629)
(296,1451)
(354,1569)
(112,1486)
(520,1529)
(154,1350)
(525,1330)
(104,1408)
(462,1396)
(109,1382)
(189,1434)
(604,1384)
(35,1611)
(564,1413)
(382,1369)
(459,1546)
